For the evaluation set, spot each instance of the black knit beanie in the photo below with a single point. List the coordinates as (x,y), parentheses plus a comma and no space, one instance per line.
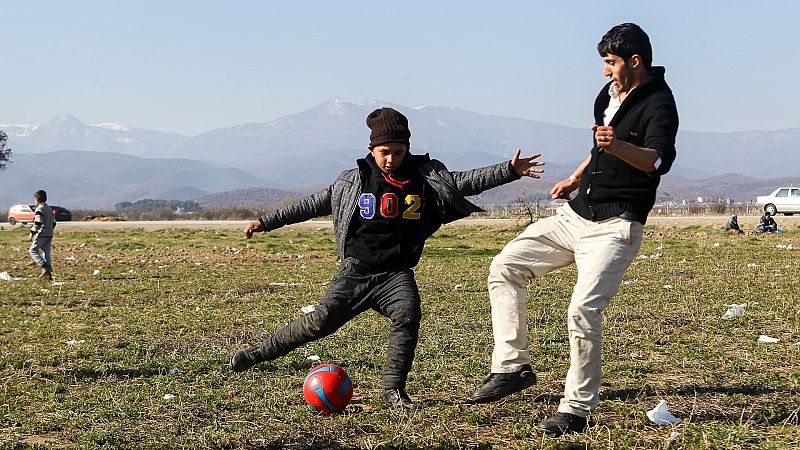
(387,125)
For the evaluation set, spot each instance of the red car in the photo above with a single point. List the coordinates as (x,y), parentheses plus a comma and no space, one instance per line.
(24,214)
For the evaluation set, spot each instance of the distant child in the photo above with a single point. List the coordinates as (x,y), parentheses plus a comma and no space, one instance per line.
(42,235)
(383,211)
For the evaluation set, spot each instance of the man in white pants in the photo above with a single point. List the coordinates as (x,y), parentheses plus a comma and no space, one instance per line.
(600,230)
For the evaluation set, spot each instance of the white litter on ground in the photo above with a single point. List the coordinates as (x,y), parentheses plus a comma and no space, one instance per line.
(58,283)
(734,310)
(75,342)
(667,286)
(169,396)
(5,276)
(768,339)
(101,257)
(174,371)
(653,256)
(672,436)
(716,244)
(313,357)
(308,309)
(751,265)
(458,286)
(96,272)
(660,415)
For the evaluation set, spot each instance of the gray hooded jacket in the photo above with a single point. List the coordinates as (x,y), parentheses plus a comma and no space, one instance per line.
(340,199)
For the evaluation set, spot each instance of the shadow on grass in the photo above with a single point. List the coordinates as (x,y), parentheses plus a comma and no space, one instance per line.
(119,373)
(690,390)
(322,443)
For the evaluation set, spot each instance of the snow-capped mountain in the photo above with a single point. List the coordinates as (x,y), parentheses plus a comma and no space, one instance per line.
(65,132)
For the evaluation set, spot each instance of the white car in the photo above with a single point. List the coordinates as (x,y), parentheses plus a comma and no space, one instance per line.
(785,200)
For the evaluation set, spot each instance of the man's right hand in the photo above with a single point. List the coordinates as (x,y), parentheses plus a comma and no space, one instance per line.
(562,189)
(251,228)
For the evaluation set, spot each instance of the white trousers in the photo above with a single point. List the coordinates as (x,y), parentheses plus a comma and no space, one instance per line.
(602,251)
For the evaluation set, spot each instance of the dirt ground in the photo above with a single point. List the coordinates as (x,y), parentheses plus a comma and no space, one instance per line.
(746,222)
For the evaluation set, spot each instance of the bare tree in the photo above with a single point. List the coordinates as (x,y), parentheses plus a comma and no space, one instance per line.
(5,152)
(527,211)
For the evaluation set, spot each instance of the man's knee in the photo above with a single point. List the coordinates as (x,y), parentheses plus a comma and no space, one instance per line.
(501,269)
(585,321)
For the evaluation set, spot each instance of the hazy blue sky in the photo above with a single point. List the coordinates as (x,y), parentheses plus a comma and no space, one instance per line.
(193,66)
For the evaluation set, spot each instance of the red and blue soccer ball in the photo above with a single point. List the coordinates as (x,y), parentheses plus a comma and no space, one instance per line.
(327,388)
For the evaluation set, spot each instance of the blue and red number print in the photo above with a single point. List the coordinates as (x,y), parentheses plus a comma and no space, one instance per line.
(389,206)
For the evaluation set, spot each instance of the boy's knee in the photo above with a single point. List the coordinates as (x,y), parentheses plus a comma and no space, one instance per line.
(320,322)
(407,318)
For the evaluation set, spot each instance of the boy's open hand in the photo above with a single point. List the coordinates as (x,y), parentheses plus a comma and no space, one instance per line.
(251,228)
(526,167)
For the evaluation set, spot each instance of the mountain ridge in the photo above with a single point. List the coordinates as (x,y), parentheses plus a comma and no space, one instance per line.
(312,147)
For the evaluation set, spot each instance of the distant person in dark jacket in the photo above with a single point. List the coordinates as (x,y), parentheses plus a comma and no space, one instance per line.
(599,230)
(383,211)
(44,222)
(766,224)
(733,225)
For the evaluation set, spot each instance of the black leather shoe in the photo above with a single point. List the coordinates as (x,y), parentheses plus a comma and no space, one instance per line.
(245,359)
(398,397)
(562,423)
(500,385)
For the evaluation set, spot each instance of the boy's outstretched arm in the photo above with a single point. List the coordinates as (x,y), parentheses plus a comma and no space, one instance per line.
(475,181)
(306,208)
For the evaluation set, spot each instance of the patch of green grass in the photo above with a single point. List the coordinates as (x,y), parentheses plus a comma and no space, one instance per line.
(186,299)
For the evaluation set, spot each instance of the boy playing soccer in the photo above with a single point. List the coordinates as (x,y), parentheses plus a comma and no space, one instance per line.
(42,235)
(383,211)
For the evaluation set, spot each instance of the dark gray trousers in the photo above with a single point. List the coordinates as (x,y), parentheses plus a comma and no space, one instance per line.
(353,290)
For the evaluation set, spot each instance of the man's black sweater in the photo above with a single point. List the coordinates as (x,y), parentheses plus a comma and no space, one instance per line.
(647,118)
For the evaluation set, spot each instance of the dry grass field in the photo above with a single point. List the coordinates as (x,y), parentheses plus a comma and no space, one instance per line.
(128,348)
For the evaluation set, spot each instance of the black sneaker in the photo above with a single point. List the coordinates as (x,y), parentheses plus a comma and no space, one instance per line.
(398,397)
(499,385)
(46,274)
(562,423)
(245,359)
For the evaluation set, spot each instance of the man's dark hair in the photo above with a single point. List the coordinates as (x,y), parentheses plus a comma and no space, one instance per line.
(40,195)
(626,40)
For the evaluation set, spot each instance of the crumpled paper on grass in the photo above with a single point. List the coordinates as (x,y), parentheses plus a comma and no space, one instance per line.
(768,339)
(660,415)
(5,276)
(734,310)
(672,436)
(653,256)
